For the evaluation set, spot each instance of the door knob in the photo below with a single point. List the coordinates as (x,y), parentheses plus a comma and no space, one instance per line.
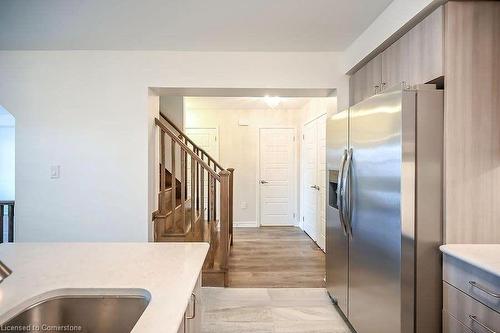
(316,187)
(264,182)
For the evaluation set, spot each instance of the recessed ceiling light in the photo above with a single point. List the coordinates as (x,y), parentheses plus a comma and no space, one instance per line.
(272,101)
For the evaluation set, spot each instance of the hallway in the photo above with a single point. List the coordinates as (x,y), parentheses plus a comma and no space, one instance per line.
(275,257)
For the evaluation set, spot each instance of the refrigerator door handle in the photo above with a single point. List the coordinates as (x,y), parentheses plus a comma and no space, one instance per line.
(346,195)
(340,190)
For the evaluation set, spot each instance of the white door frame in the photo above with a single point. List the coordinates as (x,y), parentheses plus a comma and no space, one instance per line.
(301,182)
(293,182)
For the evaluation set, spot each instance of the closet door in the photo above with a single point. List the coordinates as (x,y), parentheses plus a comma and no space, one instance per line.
(321,182)
(314,180)
(309,180)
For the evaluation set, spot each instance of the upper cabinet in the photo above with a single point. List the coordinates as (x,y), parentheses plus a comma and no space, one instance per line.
(395,58)
(426,48)
(366,81)
(415,58)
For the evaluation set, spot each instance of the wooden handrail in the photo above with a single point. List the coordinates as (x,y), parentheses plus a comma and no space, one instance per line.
(210,158)
(187,149)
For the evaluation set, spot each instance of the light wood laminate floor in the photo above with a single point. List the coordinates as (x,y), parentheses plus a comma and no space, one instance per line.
(275,257)
(269,310)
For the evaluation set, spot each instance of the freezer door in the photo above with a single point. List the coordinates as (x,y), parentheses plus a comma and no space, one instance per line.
(375,246)
(336,240)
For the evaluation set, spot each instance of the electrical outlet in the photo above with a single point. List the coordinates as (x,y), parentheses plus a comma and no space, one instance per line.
(55,171)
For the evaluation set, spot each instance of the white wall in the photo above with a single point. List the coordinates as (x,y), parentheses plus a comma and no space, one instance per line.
(7,155)
(89,111)
(173,108)
(396,15)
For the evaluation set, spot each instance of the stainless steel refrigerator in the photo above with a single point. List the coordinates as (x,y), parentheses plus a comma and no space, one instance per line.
(384,212)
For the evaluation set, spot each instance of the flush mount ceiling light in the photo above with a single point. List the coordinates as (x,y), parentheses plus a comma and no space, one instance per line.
(272,101)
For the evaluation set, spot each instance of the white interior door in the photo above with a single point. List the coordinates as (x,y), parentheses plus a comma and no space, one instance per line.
(309,180)
(276,171)
(314,180)
(321,182)
(206,139)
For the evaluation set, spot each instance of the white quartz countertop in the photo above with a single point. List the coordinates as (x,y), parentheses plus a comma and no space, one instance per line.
(167,271)
(483,256)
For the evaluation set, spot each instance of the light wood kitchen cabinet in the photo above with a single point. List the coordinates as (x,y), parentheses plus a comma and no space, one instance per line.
(472,122)
(469,297)
(193,314)
(395,63)
(426,49)
(415,58)
(366,81)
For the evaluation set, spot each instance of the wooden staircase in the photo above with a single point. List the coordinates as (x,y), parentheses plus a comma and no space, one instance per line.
(198,205)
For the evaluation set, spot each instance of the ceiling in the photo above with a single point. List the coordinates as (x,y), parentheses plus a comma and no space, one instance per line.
(242,103)
(185,25)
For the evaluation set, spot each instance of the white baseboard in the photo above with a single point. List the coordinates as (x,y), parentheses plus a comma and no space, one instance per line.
(245,224)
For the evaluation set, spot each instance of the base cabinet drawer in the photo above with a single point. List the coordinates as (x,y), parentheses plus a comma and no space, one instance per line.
(451,325)
(473,314)
(481,285)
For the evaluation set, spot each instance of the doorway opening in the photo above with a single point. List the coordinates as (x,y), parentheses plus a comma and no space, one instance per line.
(7,175)
(279,236)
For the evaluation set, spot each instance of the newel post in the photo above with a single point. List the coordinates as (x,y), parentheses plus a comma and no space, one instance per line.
(231,196)
(224,214)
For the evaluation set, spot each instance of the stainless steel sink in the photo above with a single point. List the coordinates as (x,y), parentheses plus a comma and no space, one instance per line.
(108,312)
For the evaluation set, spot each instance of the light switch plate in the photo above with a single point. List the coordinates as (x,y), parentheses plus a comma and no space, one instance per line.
(243,205)
(55,171)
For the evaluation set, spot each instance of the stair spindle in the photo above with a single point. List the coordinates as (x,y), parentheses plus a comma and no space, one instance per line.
(197,182)
(174,184)
(183,190)
(211,198)
(231,179)
(202,196)
(163,176)
(224,215)
(193,192)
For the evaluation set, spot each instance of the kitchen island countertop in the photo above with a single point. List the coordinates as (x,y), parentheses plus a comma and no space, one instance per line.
(167,271)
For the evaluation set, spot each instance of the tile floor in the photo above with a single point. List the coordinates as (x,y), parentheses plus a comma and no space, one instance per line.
(270,310)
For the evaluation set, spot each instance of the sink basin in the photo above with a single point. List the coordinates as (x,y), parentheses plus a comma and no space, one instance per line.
(107,311)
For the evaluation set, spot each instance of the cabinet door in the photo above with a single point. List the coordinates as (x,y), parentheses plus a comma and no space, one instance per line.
(366,81)
(356,86)
(395,63)
(426,51)
(194,310)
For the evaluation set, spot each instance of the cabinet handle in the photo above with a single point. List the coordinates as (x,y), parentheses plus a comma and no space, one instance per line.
(375,88)
(383,86)
(484,289)
(193,296)
(475,320)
